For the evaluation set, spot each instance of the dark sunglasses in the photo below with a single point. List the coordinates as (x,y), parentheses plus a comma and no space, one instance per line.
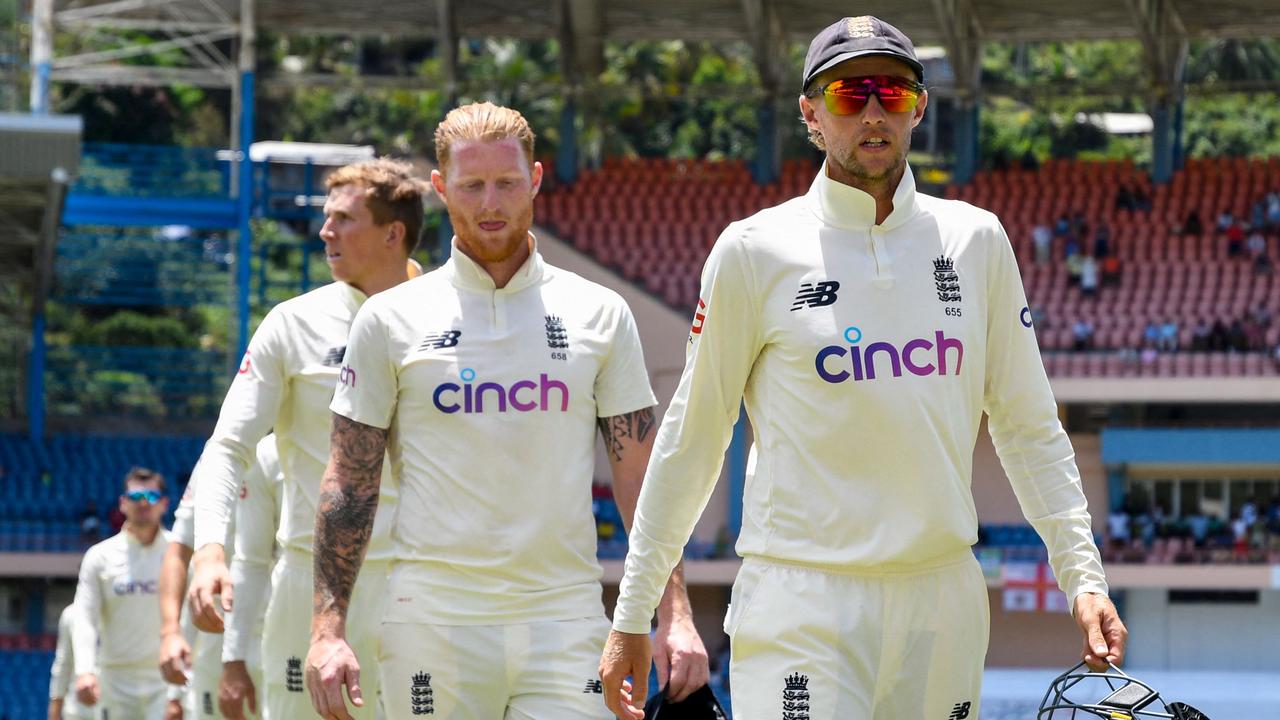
(151,496)
(848,96)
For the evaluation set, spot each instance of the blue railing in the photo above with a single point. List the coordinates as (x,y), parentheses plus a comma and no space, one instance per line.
(142,267)
(135,382)
(158,171)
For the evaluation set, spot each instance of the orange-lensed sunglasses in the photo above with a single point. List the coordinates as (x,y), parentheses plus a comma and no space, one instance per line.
(848,96)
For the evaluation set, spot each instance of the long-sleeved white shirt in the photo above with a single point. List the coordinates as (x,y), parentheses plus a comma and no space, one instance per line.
(62,673)
(491,397)
(117,603)
(257,517)
(866,355)
(285,382)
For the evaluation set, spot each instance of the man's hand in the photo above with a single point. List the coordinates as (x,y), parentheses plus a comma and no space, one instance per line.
(211,579)
(626,655)
(235,687)
(330,665)
(55,709)
(87,690)
(1104,635)
(175,657)
(173,710)
(681,659)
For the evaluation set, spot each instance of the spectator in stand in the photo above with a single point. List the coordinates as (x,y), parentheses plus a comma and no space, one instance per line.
(1219,336)
(1225,220)
(1239,539)
(1273,210)
(1102,240)
(1237,339)
(115,519)
(1062,227)
(1258,214)
(1082,332)
(1257,242)
(90,524)
(1148,355)
(1200,335)
(1193,225)
(1089,277)
(1075,264)
(1249,512)
(1124,198)
(1080,227)
(1118,527)
(1235,239)
(1111,270)
(1198,523)
(1169,335)
(1151,333)
(1042,240)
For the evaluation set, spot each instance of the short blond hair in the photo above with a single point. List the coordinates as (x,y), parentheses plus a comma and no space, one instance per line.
(391,192)
(482,121)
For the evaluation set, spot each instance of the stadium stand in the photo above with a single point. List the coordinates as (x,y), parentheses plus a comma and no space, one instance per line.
(48,483)
(25,681)
(653,220)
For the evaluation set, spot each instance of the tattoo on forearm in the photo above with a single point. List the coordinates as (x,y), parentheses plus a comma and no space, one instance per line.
(344,519)
(636,425)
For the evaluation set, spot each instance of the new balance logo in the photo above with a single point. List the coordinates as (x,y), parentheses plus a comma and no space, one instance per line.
(441,340)
(959,712)
(819,294)
(594,687)
(293,674)
(333,358)
(946,280)
(795,696)
(557,336)
(421,697)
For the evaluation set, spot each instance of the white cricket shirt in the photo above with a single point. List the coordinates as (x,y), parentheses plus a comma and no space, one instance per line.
(62,672)
(866,355)
(285,382)
(117,603)
(491,396)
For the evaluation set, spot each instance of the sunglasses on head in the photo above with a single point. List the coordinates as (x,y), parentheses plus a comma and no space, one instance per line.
(151,496)
(848,96)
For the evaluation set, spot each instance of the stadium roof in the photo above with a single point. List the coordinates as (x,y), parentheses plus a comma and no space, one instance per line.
(923,20)
(961,26)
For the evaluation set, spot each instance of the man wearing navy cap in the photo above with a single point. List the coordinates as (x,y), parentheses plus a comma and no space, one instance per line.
(868,327)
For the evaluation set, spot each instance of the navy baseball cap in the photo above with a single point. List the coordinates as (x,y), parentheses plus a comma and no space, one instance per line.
(853,37)
(701,705)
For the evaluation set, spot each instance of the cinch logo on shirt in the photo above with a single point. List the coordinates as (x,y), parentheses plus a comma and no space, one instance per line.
(522,396)
(134,587)
(918,357)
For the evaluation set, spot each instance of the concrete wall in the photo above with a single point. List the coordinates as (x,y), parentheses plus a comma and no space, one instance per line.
(1202,636)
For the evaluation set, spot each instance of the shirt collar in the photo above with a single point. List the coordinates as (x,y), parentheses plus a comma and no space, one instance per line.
(352,296)
(466,273)
(852,209)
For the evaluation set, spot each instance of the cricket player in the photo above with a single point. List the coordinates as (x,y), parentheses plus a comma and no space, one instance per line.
(373,219)
(484,383)
(868,327)
(63,704)
(116,633)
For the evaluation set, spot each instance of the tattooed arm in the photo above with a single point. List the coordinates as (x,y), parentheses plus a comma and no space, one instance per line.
(678,651)
(344,521)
